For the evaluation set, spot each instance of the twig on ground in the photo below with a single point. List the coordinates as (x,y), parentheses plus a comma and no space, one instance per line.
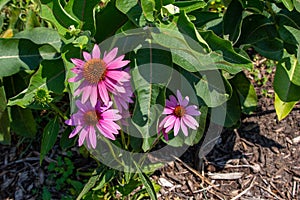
(246,190)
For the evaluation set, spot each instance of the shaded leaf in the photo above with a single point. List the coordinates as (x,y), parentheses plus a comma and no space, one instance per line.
(20,54)
(41,35)
(189,6)
(50,76)
(132,9)
(49,137)
(22,122)
(245,91)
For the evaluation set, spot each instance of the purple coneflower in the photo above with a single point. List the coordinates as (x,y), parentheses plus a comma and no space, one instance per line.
(89,120)
(99,76)
(179,115)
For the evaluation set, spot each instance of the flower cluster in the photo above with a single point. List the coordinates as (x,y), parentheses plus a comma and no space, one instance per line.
(102,80)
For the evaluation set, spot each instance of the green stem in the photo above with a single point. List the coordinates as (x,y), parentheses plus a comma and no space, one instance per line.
(58,111)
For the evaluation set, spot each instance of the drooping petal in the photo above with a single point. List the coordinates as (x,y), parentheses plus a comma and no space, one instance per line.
(106,133)
(171,119)
(103,92)
(87,56)
(75,131)
(110,56)
(183,128)
(82,135)
(119,76)
(92,137)
(185,101)
(86,93)
(96,51)
(190,121)
(111,115)
(176,126)
(163,122)
(118,63)
(94,95)
(76,78)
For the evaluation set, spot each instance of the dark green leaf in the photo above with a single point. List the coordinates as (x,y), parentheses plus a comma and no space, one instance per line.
(105,179)
(132,9)
(41,35)
(211,88)
(116,20)
(5,137)
(148,7)
(288,4)
(49,137)
(83,11)
(146,182)
(189,6)
(66,142)
(22,122)
(233,20)
(150,82)
(253,5)
(245,91)
(270,48)
(256,28)
(203,17)
(22,54)
(50,76)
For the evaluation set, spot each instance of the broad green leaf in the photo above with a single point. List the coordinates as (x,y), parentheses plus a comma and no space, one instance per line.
(288,4)
(4,117)
(148,7)
(129,187)
(159,4)
(132,9)
(105,179)
(287,79)
(21,54)
(3,3)
(232,109)
(146,182)
(211,89)
(253,5)
(256,28)
(297,5)
(5,137)
(223,54)
(49,137)
(245,91)
(22,122)
(50,76)
(203,17)
(150,82)
(294,32)
(53,12)
(270,48)
(83,11)
(189,6)
(65,142)
(116,20)
(233,20)
(283,108)
(91,183)
(41,35)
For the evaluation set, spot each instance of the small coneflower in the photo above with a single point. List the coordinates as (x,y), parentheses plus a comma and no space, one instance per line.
(179,116)
(89,120)
(99,76)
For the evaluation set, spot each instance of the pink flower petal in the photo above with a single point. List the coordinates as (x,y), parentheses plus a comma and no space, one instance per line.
(106,133)
(119,76)
(176,126)
(192,110)
(163,122)
(190,121)
(82,136)
(110,56)
(76,78)
(78,62)
(170,121)
(103,92)
(185,101)
(86,93)
(75,131)
(111,115)
(118,63)
(87,56)
(93,95)
(96,51)
(179,97)
(92,137)
(167,111)
(183,128)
